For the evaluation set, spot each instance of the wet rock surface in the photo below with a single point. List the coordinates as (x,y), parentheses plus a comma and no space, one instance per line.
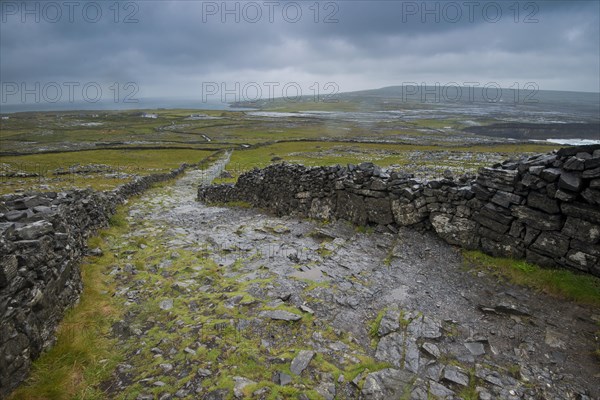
(265,306)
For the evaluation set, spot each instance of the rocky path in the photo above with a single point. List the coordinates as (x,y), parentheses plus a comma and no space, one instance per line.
(231,302)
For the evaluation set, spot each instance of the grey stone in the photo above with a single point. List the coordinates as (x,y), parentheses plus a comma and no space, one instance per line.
(539,259)
(281,378)
(391,348)
(582,230)
(475,348)
(15,215)
(497,178)
(455,375)
(591,173)
(592,163)
(239,383)
(379,211)
(34,230)
(550,174)
(581,260)
(570,181)
(537,219)
(301,361)
(352,208)
(574,164)
(552,244)
(8,269)
(543,202)
(440,391)
(406,214)
(389,323)
(280,315)
(454,230)
(431,349)
(582,211)
(219,394)
(386,384)
(591,195)
(565,195)
(306,309)
(327,390)
(505,199)
(166,304)
(166,367)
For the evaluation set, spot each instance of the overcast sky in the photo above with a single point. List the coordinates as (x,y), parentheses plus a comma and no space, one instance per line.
(180,48)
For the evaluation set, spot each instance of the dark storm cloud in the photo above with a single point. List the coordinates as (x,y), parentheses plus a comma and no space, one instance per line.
(175,46)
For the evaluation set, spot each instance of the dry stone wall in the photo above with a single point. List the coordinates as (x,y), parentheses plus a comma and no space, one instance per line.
(544,208)
(43,238)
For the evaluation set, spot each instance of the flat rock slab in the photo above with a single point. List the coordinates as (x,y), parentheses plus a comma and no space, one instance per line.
(386,384)
(433,310)
(301,361)
(280,315)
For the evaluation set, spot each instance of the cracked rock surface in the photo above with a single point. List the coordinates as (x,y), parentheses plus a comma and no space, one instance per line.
(235,303)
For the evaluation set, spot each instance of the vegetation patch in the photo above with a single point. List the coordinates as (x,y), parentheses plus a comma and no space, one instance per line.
(557,282)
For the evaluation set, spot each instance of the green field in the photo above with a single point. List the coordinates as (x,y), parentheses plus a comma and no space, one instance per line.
(101,149)
(110,168)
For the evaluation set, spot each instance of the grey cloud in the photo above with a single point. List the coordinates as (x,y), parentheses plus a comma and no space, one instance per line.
(371,45)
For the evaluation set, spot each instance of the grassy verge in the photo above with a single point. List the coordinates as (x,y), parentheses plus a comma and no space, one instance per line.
(557,282)
(118,167)
(84,354)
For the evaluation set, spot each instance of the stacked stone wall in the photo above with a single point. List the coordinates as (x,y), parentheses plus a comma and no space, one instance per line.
(544,208)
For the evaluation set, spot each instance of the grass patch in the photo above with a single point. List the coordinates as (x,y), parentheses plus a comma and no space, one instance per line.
(374,325)
(557,282)
(98,169)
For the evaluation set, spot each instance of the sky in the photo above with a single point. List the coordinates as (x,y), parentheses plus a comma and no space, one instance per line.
(248,50)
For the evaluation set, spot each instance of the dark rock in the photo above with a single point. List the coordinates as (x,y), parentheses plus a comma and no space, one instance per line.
(581,211)
(386,384)
(550,174)
(591,173)
(8,269)
(592,163)
(570,181)
(592,196)
(543,202)
(573,150)
(506,199)
(552,244)
(352,208)
(34,230)
(481,192)
(565,196)
(498,178)
(281,378)
(15,215)
(504,247)
(379,211)
(574,164)
(455,375)
(582,230)
(537,219)
(539,259)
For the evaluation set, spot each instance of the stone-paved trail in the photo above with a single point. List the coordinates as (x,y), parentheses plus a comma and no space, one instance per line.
(229,302)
